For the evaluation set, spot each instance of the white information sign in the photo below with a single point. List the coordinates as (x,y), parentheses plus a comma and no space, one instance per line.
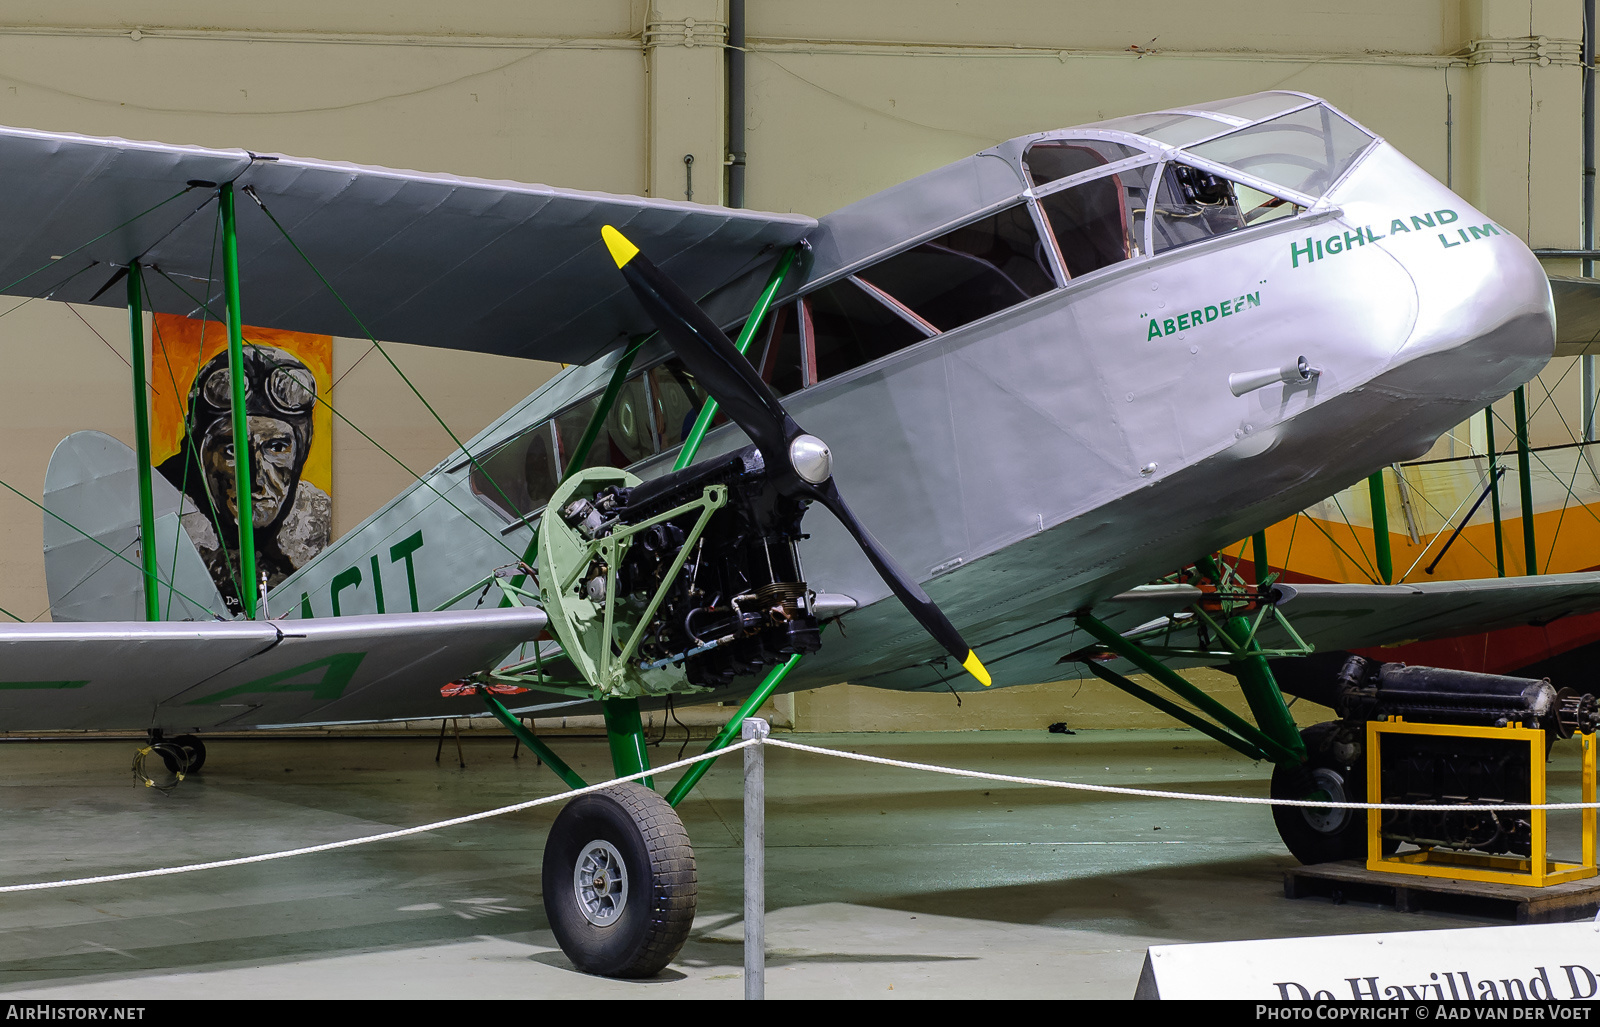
(1535,962)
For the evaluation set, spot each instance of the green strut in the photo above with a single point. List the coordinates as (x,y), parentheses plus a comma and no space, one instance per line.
(1380,527)
(534,745)
(1148,664)
(625,735)
(241,423)
(1260,688)
(1494,492)
(730,730)
(758,314)
(141,432)
(1525,483)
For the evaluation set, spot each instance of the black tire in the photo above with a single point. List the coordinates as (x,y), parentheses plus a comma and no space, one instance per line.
(657,909)
(196,749)
(1323,835)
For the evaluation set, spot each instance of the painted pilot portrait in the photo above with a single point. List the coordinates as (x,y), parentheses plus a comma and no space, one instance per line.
(291,516)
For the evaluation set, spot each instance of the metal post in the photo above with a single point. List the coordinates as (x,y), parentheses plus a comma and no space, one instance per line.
(241,425)
(1525,483)
(1494,492)
(141,434)
(1380,526)
(755,852)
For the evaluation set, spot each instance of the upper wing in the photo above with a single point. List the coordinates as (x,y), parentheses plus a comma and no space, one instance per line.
(210,675)
(498,267)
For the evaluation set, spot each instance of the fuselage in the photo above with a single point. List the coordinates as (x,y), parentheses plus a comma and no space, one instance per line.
(1083,437)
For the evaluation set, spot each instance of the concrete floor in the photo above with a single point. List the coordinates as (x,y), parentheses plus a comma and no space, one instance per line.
(881,882)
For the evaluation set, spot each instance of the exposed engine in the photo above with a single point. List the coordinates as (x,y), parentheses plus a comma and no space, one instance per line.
(1439,770)
(739,604)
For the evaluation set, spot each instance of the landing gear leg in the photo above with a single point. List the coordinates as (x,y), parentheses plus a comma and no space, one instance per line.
(619,873)
(180,756)
(1335,768)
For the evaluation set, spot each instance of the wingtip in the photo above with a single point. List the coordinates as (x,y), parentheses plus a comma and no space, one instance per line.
(621,249)
(975,667)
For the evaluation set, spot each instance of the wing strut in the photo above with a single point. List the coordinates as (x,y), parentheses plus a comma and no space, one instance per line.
(241,433)
(141,431)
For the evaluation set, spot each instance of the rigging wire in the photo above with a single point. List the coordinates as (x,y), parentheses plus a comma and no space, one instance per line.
(57,260)
(215,515)
(379,346)
(336,412)
(51,513)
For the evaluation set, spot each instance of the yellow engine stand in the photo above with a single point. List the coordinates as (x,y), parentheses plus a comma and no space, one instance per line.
(1465,866)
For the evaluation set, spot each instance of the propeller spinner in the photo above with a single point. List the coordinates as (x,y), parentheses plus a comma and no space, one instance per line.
(800,464)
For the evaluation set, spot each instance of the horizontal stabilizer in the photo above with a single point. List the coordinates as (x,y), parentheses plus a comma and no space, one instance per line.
(211,675)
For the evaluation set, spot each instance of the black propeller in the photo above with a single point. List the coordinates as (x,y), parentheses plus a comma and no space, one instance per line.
(799,464)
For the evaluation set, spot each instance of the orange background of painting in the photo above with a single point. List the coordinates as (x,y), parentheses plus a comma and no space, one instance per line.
(180,346)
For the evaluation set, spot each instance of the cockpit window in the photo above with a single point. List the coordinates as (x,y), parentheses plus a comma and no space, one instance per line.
(1253,107)
(1062,158)
(1193,204)
(977,270)
(1305,151)
(1100,222)
(1169,128)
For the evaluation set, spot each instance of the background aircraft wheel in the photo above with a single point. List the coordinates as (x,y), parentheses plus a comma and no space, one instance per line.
(1334,765)
(196,750)
(619,882)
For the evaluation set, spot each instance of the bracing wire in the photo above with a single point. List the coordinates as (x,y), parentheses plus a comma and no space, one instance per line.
(471,457)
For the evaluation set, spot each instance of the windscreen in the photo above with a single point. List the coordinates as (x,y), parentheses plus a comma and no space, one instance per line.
(1305,151)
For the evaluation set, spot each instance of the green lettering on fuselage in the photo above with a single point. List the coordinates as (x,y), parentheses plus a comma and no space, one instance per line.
(1161,327)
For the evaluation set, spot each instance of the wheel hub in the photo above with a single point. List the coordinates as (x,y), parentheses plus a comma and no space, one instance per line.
(1324,819)
(600,880)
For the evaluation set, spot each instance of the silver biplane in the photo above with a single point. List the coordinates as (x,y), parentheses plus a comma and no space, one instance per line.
(1053,378)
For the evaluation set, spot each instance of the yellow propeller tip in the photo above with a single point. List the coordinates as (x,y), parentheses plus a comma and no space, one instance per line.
(621,249)
(975,667)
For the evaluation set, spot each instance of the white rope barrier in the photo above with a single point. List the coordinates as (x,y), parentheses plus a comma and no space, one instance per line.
(369,839)
(1152,793)
(1149,793)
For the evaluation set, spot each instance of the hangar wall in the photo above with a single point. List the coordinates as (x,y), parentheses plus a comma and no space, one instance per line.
(844,98)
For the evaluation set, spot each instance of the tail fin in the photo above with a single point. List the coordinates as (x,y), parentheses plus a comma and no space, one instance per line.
(91,539)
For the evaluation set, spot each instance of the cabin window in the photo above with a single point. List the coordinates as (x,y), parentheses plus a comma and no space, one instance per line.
(972,272)
(1305,151)
(1193,204)
(518,477)
(849,327)
(654,411)
(677,399)
(1062,158)
(780,362)
(625,437)
(1100,222)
